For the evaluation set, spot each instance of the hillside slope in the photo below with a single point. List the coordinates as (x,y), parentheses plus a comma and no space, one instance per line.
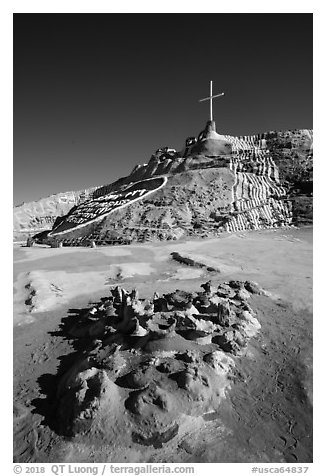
(32,217)
(215,183)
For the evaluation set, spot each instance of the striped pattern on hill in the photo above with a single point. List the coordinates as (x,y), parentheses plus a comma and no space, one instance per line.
(258,198)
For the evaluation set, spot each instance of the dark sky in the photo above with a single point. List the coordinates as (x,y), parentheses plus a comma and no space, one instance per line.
(95,94)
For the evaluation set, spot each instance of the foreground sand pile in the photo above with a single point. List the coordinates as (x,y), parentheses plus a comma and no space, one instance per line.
(148,369)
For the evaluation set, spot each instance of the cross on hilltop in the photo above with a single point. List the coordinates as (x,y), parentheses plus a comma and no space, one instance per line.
(210,98)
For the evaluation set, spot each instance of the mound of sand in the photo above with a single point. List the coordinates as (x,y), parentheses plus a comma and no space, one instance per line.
(147,368)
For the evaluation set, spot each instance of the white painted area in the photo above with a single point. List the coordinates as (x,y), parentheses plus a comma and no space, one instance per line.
(187,273)
(128,270)
(47,290)
(116,251)
(35,253)
(77,227)
(280,263)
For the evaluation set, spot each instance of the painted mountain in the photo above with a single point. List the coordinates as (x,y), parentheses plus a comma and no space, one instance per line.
(216,183)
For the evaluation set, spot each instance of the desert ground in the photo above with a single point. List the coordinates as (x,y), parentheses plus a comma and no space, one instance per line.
(266,415)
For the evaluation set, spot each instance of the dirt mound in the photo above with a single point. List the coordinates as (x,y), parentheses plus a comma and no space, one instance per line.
(148,365)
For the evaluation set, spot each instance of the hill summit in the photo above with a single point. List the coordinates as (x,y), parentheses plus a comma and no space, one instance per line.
(215,183)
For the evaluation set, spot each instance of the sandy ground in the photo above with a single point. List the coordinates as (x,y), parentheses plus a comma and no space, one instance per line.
(268,413)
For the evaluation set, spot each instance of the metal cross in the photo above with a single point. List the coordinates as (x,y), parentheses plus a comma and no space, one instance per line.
(210,98)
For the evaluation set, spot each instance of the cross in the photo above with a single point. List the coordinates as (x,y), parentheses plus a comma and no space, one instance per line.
(210,97)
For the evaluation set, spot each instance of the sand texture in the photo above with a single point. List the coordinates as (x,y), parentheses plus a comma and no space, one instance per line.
(195,351)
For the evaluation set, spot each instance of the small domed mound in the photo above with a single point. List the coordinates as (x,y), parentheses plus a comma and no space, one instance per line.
(210,143)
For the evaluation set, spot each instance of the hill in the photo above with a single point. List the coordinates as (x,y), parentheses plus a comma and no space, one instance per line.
(216,183)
